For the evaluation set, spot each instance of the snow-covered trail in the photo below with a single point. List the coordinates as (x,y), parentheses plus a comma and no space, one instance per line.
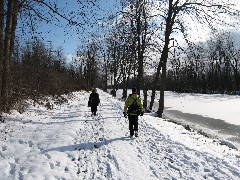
(67,143)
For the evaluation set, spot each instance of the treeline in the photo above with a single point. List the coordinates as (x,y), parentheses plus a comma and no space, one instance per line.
(209,67)
(37,71)
(212,67)
(138,45)
(139,39)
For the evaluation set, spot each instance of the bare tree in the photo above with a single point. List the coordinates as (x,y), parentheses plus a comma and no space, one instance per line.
(224,63)
(1,46)
(31,13)
(8,43)
(209,67)
(206,12)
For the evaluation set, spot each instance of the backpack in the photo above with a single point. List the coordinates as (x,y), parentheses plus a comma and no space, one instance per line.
(94,100)
(134,108)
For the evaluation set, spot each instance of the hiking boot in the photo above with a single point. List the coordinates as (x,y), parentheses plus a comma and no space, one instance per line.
(131,133)
(136,134)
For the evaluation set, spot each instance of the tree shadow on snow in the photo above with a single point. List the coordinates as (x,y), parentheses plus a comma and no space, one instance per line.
(57,120)
(87,145)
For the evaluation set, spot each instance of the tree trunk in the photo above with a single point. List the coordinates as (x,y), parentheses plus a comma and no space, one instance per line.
(155,85)
(7,55)
(128,79)
(1,46)
(125,84)
(11,24)
(141,40)
(145,97)
(163,60)
(162,89)
(106,74)
(139,54)
(14,26)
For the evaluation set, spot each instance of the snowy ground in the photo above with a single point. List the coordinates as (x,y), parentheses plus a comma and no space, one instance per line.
(217,106)
(67,143)
(216,115)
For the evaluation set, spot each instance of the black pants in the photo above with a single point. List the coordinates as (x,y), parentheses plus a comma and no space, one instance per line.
(94,110)
(133,124)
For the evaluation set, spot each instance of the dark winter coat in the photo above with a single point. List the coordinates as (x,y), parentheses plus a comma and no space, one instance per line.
(93,99)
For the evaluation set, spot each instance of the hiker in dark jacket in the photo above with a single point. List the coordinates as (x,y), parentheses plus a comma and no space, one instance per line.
(132,109)
(94,101)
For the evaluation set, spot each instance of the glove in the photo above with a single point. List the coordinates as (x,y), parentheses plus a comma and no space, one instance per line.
(141,114)
(125,114)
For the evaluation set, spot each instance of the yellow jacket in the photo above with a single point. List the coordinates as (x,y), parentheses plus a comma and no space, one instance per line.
(130,100)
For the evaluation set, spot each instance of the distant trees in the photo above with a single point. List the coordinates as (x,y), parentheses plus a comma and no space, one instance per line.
(205,12)
(224,62)
(1,48)
(40,71)
(87,64)
(142,35)
(212,67)
(128,44)
(172,15)
(7,36)
(29,13)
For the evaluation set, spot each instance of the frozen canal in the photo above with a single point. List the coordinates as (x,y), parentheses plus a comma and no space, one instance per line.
(213,127)
(217,115)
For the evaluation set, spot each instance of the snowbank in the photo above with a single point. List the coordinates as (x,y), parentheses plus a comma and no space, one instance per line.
(67,143)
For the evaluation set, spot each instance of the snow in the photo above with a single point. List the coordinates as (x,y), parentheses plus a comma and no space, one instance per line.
(67,143)
(224,107)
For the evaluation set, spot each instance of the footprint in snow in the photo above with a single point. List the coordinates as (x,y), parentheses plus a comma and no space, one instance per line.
(12,168)
(17,160)
(30,143)
(57,163)
(51,165)
(66,169)
(48,156)
(20,141)
(4,148)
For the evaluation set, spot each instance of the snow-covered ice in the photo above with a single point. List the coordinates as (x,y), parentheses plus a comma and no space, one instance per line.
(218,106)
(67,143)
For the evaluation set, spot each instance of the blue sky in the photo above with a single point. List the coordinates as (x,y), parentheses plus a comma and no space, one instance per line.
(69,37)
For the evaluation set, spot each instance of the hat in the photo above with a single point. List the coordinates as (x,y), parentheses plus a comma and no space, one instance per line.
(94,90)
(134,90)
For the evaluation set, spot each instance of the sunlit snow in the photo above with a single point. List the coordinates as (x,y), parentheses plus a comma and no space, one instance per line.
(67,143)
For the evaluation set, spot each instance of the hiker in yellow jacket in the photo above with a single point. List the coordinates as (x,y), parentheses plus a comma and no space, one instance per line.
(132,109)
